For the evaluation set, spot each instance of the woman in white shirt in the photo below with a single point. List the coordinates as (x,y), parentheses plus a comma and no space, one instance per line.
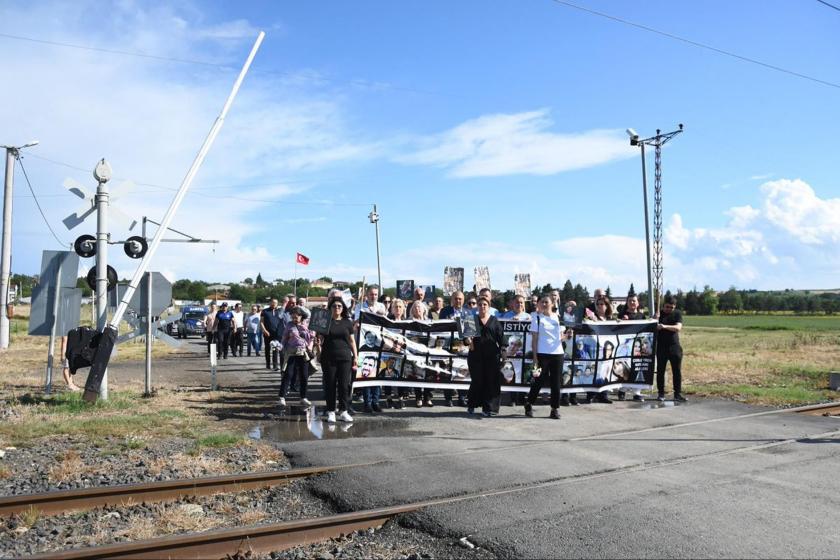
(547,334)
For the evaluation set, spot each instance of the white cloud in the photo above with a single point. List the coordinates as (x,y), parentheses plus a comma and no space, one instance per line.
(520,143)
(149,117)
(792,239)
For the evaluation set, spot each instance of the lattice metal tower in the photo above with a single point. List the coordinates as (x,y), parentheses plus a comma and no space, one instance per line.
(657,142)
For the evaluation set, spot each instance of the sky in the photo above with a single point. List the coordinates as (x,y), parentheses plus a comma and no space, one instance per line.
(488,133)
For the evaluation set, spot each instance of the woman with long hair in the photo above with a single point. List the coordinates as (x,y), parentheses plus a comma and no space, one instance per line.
(396,313)
(338,360)
(484,361)
(547,334)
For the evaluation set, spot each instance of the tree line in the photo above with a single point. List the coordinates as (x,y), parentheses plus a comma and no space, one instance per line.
(693,302)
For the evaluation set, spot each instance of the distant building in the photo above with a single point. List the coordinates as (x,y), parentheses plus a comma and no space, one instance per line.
(322,284)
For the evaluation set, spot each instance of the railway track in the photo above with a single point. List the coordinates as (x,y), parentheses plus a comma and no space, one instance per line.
(50,503)
(279,536)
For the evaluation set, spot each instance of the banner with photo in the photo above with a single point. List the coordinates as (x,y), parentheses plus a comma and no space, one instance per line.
(599,356)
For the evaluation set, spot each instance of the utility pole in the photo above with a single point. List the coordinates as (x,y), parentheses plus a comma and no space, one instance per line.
(654,270)
(12,153)
(374,219)
(102,174)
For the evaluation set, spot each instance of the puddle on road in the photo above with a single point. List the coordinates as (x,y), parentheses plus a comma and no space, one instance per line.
(303,424)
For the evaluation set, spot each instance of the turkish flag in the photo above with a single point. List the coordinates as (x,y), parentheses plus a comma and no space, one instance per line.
(302,259)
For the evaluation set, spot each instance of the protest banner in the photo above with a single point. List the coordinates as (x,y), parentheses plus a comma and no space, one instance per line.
(453,280)
(432,354)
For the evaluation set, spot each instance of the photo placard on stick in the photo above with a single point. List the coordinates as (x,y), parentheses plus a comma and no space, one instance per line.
(319,322)
(453,280)
(429,293)
(405,289)
(482,278)
(522,284)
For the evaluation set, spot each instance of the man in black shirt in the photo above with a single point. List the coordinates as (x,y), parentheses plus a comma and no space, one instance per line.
(668,349)
(271,323)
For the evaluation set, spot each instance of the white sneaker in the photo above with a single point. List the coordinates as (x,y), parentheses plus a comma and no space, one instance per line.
(305,402)
(331,417)
(282,401)
(345,416)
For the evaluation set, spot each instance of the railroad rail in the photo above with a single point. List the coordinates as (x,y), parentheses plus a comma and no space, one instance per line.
(279,536)
(49,503)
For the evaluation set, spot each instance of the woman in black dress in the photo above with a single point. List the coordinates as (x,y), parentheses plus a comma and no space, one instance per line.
(338,360)
(485,361)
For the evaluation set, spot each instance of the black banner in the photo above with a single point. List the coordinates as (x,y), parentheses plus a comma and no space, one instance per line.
(599,356)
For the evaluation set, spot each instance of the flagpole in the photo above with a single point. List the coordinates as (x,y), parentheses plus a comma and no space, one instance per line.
(295,275)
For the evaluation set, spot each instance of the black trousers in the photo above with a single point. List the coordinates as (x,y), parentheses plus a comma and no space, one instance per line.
(211,338)
(296,367)
(662,358)
(337,374)
(269,354)
(222,342)
(422,394)
(552,373)
(485,382)
(236,342)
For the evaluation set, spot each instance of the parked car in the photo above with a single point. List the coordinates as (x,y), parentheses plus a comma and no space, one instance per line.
(191,322)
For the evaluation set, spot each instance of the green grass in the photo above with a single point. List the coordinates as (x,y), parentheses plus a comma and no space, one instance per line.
(784,394)
(822,323)
(218,441)
(72,403)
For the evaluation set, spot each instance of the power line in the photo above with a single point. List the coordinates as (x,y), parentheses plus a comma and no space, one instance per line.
(829,5)
(697,44)
(38,204)
(319,78)
(196,190)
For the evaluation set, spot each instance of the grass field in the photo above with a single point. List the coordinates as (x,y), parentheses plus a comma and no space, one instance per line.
(762,359)
(820,323)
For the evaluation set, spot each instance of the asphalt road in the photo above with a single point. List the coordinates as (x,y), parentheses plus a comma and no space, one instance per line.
(706,479)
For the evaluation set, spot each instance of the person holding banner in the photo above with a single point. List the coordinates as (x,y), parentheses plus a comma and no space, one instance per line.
(419,312)
(603,312)
(454,311)
(339,356)
(668,349)
(631,312)
(484,361)
(397,314)
(547,334)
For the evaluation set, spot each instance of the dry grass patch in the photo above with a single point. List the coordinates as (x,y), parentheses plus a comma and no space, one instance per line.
(189,465)
(70,467)
(761,367)
(5,472)
(252,516)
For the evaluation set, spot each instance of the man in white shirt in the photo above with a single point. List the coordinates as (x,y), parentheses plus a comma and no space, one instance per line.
(370,304)
(236,342)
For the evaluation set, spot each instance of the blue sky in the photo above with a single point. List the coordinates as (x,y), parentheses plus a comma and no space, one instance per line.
(488,133)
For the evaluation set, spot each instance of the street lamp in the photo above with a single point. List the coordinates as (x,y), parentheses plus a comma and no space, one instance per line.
(12,153)
(374,219)
(654,270)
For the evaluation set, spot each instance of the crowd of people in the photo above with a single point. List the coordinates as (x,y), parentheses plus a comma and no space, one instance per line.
(281,332)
